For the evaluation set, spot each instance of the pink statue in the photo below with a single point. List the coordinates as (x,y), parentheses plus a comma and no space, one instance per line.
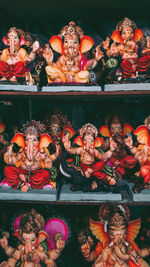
(30,164)
(72,66)
(14,58)
(116,235)
(29,230)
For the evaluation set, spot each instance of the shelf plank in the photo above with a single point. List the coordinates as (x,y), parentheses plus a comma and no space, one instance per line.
(127,87)
(67,195)
(143,196)
(17,88)
(71,88)
(9,194)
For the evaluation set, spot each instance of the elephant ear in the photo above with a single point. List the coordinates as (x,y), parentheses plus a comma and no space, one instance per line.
(2,127)
(68,129)
(104,131)
(86,44)
(56,43)
(42,235)
(4,40)
(97,229)
(98,142)
(78,141)
(127,128)
(133,230)
(19,140)
(45,141)
(22,41)
(138,34)
(143,136)
(116,37)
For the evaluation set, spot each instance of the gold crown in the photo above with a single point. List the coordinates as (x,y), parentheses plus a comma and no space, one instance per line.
(72,29)
(88,128)
(33,127)
(126,22)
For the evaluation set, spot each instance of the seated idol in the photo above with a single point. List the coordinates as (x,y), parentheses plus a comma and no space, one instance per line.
(14,58)
(72,66)
(31,165)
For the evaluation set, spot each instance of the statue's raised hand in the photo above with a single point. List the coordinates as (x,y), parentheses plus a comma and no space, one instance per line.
(85,249)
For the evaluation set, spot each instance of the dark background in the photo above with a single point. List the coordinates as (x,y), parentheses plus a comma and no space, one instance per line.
(97,18)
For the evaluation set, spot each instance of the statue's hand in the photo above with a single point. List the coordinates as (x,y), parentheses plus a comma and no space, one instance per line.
(60,244)
(36,258)
(10,148)
(4,264)
(4,242)
(35,46)
(128,142)
(113,145)
(85,249)
(114,50)
(58,150)
(106,43)
(99,54)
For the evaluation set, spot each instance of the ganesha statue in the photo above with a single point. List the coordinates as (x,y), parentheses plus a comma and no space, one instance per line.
(90,159)
(31,164)
(14,59)
(116,234)
(142,153)
(122,53)
(122,162)
(56,121)
(40,242)
(72,66)
(144,60)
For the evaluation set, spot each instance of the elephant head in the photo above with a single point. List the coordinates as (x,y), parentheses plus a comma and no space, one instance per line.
(71,41)
(14,39)
(29,231)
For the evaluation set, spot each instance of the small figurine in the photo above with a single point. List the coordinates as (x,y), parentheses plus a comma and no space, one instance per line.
(14,58)
(72,66)
(56,121)
(144,59)
(34,68)
(33,249)
(87,143)
(3,146)
(29,159)
(116,235)
(129,60)
(142,154)
(116,46)
(122,161)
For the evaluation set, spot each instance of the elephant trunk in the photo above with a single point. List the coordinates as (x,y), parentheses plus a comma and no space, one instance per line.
(121,255)
(30,151)
(12,46)
(28,247)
